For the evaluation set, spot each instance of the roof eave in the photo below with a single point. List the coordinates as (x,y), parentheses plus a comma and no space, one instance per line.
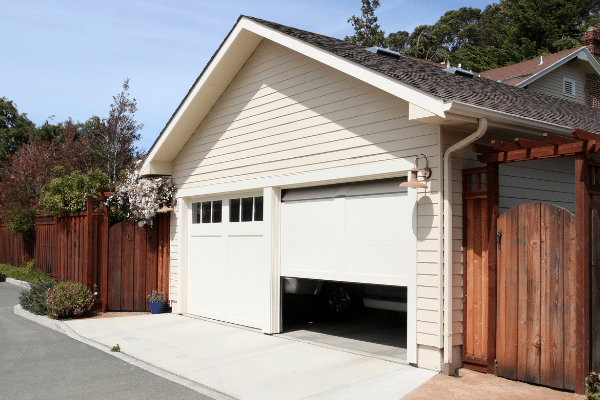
(499,118)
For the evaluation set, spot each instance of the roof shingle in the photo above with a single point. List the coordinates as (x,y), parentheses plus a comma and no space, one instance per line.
(476,91)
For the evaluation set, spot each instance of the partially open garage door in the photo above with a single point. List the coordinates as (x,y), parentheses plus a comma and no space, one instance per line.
(229,261)
(355,232)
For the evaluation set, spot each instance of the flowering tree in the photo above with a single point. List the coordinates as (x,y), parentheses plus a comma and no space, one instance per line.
(142,196)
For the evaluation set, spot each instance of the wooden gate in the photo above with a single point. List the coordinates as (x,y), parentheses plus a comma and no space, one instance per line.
(536,318)
(138,263)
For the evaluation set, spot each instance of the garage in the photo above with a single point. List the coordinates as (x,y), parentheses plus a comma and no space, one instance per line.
(229,259)
(347,260)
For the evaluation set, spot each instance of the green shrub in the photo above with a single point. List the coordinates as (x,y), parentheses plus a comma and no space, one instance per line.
(592,386)
(68,192)
(34,299)
(26,273)
(69,299)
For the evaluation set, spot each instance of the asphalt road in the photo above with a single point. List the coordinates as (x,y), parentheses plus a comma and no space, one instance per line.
(39,363)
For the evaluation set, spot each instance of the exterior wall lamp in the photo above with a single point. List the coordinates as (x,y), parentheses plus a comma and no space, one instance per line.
(425,174)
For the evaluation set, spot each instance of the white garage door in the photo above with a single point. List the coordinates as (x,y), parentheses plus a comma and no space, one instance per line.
(358,232)
(227,274)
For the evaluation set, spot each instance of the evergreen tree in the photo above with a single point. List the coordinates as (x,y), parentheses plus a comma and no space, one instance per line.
(367,32)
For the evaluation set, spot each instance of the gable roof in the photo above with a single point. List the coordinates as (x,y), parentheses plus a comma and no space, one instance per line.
(516,73)
(523,73)
(425,85)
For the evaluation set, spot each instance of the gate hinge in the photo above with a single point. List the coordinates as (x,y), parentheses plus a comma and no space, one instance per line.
(496,367)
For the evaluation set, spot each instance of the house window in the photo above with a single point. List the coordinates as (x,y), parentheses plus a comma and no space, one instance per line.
(207,212)
(246,209)
(568,87)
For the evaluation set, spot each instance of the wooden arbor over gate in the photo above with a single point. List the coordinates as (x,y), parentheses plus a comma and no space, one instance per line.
(486,309)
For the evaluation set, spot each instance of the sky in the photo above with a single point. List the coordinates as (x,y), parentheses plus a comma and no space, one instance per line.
(67,59)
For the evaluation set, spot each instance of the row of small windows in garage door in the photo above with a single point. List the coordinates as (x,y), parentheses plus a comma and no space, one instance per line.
(245,209)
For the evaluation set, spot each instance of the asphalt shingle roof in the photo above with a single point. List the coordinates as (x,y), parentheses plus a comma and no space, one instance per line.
(476,91)
(517,73)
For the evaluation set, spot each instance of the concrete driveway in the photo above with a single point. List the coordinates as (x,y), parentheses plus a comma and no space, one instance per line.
(247,364)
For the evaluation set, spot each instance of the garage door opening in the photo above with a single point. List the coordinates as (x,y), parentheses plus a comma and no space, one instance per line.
(362,318)
(349,247)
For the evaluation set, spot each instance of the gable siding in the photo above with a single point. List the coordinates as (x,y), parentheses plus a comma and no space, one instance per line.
(284,113)
(552,83)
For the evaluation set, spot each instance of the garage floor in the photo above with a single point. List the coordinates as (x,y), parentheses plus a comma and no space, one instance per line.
(375,332)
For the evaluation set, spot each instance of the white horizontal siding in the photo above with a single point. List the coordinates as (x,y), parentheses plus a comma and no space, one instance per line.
(552,82)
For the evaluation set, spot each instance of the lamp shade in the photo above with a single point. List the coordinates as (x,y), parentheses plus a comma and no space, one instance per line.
(413,182)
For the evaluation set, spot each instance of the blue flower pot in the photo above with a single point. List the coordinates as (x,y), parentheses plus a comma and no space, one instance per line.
(156,307)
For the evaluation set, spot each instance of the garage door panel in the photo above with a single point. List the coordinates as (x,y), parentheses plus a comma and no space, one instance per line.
(311,258)
(374,221)
(366,236)
(383,261)
(246,246)
(208,303)
(245,310)
(312,222)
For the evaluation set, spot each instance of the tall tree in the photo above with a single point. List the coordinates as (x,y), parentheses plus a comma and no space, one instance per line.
(15,128)
(113,138)
(366,29)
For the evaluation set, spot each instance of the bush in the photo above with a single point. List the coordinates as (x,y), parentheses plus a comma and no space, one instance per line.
(592,386)
(69,299)
(34,300)
(26,273)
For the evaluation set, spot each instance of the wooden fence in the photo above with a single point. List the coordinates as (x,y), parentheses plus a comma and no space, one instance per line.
(15,249)
(122,268)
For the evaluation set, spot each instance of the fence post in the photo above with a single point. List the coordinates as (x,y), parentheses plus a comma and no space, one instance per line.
(89,236)
(104,252)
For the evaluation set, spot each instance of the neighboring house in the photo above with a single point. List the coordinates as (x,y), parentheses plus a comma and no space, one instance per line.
(571,74)
(280,114)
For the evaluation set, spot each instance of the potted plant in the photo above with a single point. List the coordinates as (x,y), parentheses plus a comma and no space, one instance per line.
(157,302)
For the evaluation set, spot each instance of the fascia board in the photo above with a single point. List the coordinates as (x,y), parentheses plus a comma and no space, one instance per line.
(367,75)
(562,61)
(501,118)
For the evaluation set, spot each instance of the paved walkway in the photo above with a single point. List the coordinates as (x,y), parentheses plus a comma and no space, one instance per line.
(247,364)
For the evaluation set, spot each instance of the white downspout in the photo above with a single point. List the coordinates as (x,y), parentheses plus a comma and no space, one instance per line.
(447,194)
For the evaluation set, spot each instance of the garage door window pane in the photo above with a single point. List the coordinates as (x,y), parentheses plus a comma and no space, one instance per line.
(216,211)
(258,208)
(247,209)
(234,210)
(195,213)
(205,212)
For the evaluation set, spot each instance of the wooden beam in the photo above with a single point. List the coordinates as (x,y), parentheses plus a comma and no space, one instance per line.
(493,212)
(499,145)
(556,139)
(529,144)
(482,149)
(532,154)
(585,135)
(582,271)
